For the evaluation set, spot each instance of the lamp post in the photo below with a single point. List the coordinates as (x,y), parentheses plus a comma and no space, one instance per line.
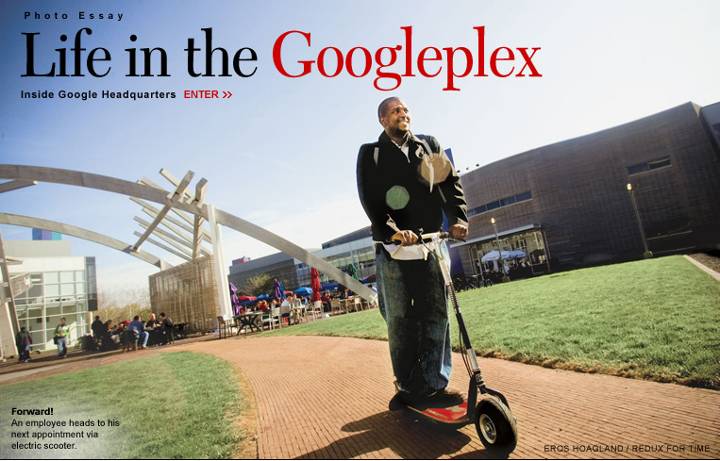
(497,243)
(646,253)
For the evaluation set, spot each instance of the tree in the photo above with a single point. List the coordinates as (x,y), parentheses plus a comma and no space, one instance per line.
(261,283)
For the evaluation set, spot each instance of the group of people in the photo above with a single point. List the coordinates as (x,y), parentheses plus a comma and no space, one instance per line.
(327,297)
(295,302)
(134,334)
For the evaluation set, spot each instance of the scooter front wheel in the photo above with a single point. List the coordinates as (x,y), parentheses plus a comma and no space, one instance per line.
(495,426)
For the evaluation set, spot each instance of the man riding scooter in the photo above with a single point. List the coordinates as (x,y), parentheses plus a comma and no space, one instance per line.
(405,183)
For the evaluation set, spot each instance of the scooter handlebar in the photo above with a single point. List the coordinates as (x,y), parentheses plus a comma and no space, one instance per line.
(434,235)
(424,238)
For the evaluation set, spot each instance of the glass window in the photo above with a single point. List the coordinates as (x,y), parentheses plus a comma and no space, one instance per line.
(52,290)
(35,292)
(659,163)
(79,276)
(527,195)
(633,169)
(50,277)
(67,276)
(649,165)
(67,289)
(79,288)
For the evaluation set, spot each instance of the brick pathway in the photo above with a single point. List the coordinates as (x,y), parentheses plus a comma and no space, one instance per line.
(320,397)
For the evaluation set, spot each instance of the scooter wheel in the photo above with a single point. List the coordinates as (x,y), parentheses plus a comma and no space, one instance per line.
(494,427)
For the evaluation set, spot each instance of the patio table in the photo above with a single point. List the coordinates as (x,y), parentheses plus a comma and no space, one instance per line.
(248,319)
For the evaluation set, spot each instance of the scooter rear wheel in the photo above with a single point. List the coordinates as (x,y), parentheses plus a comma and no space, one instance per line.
(495,430)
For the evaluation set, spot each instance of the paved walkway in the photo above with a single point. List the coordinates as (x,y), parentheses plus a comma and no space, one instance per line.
(714,274)
(320,397)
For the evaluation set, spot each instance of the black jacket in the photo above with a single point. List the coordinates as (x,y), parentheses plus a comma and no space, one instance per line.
(392,187)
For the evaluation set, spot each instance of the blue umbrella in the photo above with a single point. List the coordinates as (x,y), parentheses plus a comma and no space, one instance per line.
(263,296)
(304,291)
(330,285)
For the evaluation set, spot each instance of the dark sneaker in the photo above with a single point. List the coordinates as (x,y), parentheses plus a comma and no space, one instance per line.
(400,400)
(441,399)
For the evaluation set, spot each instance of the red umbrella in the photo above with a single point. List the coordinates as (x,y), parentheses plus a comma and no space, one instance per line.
(315,284)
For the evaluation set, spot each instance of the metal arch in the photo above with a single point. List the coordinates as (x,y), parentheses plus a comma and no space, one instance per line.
(85,234)
(121,186)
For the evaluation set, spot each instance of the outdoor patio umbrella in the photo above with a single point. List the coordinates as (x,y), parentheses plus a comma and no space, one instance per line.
(330,286)
(315,284)
(277,291)
(304,291)
(234,301)
(352,271)
(262,297)
(494,255)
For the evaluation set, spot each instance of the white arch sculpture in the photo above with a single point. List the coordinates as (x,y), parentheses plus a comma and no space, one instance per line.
(107,183)
(81,233)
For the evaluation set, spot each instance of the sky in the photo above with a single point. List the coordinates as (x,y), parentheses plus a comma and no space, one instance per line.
(281,152)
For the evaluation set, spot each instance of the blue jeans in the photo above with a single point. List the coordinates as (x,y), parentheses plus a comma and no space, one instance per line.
(62,346)
(413,303)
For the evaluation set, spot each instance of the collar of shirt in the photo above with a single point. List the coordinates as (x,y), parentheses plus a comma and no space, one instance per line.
(405,147)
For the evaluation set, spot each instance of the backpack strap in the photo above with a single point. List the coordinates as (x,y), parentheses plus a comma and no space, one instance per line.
(425,145)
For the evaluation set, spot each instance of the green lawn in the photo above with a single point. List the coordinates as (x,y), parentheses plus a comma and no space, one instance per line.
(657,319)
(170,405)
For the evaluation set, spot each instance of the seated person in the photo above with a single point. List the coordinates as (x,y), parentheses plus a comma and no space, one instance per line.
(128,337)
(154,330)
(166,325)
(138,327)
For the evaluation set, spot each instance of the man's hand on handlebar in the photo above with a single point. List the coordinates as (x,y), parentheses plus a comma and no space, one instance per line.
(458,231)
(405,237)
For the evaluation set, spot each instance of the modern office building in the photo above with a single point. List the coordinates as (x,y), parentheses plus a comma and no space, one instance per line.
(61,285)
(352,253)
(276,265)
(567,205)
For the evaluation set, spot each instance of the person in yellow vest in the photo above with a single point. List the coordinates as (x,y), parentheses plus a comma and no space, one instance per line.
(62,336)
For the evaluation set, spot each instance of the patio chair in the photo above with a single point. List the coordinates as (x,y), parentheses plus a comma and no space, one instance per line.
(283,312)
(222,327)
(365,305)
(271,318)
(314,310)
(335,307)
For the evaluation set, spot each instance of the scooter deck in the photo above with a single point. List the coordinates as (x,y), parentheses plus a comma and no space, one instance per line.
(454,414)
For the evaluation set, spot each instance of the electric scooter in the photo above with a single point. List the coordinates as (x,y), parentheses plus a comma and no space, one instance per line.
(487,408)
